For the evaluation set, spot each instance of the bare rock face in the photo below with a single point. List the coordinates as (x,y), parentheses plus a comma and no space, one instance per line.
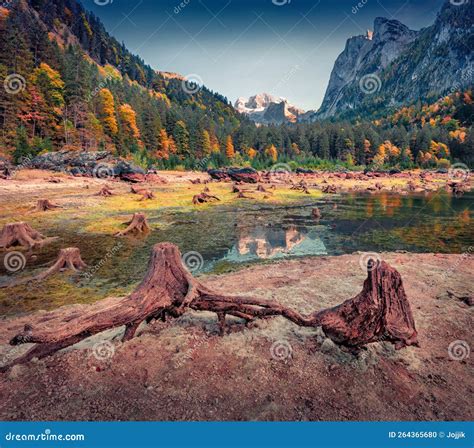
(404,65)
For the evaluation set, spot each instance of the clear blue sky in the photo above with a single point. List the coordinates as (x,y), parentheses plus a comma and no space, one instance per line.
(244,47)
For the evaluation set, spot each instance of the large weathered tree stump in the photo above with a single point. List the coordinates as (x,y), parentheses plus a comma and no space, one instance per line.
(380,312)
(43,205)
(138,224)
(20,234)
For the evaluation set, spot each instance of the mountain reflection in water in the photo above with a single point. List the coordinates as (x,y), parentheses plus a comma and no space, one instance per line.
(266,242)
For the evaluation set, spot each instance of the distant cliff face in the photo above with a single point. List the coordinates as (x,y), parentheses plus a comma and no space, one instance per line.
(394,65)
(267,109)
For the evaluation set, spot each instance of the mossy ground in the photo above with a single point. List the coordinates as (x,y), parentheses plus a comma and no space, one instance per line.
(89,222)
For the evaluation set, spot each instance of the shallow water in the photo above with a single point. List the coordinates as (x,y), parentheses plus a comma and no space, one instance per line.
(221,238)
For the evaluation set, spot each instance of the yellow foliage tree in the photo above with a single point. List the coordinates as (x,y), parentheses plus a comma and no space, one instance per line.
(295,148)
(251,153)
(439,150)
(163,151)
(107,111)
(229,148)
(272,152)
(128,118)
(215,146)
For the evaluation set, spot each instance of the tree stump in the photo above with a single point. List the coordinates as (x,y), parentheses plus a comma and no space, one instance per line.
(44,205)
(241,195)
(105,192)
(136,190)
(138,224)
(331,189)
(69,258)
(380,312)
(20,234)
(146,195)
(316,213)
(202,198)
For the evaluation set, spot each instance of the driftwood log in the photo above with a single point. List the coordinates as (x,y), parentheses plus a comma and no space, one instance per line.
(379,312)
(43,205)
(138,224)
(20,234)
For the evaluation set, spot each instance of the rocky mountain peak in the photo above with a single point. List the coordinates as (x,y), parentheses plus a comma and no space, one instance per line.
(403,65)
(268,109)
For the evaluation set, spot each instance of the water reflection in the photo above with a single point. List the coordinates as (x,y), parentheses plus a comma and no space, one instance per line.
(266,242)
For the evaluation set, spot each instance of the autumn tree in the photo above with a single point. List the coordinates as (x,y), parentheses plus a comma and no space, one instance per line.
(50,84)
(181,137)
(163,151)
(128,119)
(107,112)
(272,153)
(203,148)
(229,148)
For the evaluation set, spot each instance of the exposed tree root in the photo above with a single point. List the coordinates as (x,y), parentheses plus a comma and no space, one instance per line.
(20,234)
(380,312)
(44,205)
(138,224)
(202,198)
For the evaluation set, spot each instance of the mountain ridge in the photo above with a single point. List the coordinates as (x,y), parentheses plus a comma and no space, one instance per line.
(264,108)
(403,65)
